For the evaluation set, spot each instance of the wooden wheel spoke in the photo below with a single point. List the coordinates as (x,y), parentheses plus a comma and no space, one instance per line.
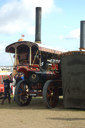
(22,94)
(22,86)
(50,94)
(51,101)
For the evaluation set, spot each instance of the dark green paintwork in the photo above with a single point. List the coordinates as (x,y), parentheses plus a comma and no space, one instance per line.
(73,80)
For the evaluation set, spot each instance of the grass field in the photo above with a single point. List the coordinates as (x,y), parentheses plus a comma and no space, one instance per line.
(36,115)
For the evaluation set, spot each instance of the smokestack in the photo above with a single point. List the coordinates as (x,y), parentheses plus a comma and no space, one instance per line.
(38,25)
(82,35)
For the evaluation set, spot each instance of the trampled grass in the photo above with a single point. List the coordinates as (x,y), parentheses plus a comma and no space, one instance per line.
(36,115)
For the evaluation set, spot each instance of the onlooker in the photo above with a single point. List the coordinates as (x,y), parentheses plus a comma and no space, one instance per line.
(11,84)
(22,76)
(11,77)
(17,78)
(6,89)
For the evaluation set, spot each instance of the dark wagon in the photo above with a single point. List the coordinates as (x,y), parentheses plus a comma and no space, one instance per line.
(73,79)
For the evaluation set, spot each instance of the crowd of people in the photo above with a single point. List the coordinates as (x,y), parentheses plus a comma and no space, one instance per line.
(10,80)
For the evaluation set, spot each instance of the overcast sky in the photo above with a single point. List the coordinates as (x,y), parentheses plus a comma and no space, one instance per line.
(60,26)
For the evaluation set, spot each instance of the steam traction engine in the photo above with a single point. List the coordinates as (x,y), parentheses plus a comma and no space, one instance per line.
(40,66)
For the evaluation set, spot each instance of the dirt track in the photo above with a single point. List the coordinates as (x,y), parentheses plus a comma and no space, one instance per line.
(37,116)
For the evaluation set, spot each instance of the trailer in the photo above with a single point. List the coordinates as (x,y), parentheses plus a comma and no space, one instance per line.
(73,79)
(73,74)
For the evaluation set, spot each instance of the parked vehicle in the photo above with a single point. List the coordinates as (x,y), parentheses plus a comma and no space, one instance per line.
(40,66)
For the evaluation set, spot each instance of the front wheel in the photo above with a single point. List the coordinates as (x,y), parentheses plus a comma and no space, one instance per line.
(22,96)
(50,94)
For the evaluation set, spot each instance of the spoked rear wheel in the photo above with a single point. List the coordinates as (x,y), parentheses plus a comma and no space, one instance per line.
(22,96)
(50,94)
